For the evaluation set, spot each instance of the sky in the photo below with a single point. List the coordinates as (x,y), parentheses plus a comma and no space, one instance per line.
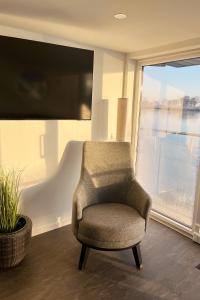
(170,83)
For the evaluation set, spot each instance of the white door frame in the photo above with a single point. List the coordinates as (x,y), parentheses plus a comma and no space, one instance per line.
(194,232)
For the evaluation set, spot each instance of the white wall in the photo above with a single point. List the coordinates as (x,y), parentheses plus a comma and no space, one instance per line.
(37,146)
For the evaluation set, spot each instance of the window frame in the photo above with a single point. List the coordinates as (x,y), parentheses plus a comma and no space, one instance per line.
(194,231)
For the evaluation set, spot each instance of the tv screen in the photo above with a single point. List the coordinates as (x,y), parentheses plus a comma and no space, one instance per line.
(44,81)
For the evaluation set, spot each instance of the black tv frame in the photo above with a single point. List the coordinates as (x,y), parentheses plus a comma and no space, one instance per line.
(88,54)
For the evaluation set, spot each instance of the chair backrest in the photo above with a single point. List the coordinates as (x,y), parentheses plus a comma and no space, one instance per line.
(107,168)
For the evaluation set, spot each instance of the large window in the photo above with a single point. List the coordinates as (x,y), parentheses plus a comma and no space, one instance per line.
(168,152)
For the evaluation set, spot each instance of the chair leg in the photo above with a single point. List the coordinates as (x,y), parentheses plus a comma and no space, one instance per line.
(137,255)
(83,257)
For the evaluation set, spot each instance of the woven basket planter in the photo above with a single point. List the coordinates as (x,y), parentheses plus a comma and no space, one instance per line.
(13,246)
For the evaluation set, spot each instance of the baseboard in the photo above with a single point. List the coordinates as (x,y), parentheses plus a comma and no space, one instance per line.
(50,226)
(196,238)
(196,235)
(171,224)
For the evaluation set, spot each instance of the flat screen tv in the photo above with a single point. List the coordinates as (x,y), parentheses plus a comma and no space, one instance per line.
(44,81)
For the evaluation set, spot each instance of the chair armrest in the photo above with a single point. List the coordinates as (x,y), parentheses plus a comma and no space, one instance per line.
(138,198)
(83,197)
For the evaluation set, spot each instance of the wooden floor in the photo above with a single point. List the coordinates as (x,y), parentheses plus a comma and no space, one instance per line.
(49,272)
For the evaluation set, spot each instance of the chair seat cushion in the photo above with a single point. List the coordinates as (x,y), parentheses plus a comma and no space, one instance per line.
(111,226)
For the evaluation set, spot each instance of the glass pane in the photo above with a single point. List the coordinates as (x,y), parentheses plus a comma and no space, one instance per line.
(169,137)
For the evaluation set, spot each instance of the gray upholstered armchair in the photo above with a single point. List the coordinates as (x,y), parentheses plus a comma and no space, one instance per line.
(110,209)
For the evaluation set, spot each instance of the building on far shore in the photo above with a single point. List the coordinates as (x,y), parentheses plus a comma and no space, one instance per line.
(184,103)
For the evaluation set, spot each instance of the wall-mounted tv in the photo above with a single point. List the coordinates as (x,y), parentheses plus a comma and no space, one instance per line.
(44,81)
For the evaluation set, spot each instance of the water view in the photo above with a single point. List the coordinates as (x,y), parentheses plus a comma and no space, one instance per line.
(168,160)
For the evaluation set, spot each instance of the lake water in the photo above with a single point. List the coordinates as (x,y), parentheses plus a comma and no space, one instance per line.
(168,160)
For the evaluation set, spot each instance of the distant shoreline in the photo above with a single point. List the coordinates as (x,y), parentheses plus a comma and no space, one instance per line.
(197,110)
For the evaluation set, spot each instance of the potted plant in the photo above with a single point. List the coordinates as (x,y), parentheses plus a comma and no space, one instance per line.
(15,229)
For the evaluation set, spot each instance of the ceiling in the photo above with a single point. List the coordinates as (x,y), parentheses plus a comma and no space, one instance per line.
(150,23)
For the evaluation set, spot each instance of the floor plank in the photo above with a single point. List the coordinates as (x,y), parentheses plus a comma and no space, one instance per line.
(50,270)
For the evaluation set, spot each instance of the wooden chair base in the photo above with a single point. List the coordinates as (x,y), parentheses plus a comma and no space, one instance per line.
(85,252)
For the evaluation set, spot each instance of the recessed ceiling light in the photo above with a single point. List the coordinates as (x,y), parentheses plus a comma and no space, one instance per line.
(120,16)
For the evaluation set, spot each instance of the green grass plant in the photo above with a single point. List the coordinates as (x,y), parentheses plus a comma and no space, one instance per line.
(9,200)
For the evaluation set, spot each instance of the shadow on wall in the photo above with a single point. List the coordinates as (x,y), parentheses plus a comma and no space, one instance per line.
(50,150)
(36,146)
(49,204)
